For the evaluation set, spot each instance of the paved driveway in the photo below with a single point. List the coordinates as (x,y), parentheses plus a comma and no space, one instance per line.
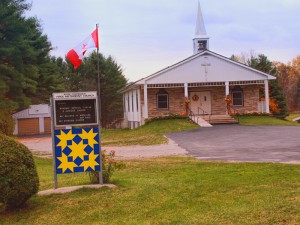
(242,143)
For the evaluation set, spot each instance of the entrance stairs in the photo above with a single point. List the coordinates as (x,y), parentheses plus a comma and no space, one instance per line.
(209,120)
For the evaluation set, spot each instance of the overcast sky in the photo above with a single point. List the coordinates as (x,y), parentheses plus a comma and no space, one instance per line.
(146,36)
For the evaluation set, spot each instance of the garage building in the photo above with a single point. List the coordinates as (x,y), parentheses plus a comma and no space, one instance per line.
(33,121)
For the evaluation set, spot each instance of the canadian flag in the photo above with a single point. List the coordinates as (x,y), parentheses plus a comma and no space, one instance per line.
(76,54)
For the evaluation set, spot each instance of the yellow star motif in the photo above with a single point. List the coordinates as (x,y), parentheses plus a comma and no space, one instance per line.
(91,162)
(90,136)
(64,137)
(78,150)
(65,164)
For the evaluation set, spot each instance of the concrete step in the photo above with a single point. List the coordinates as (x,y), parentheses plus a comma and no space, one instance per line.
(220,119)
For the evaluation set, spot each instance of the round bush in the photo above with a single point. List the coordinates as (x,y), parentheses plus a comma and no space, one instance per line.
(18,175)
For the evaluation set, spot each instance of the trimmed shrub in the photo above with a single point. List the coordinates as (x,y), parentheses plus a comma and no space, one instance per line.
(7,123)
(18,175)
(251,114)
(169,116)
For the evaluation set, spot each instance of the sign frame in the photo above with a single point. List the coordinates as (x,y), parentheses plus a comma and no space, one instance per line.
(73,96)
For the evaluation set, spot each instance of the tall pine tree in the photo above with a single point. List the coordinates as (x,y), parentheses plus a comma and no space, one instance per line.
(24,58)
(111,81)
(263,64)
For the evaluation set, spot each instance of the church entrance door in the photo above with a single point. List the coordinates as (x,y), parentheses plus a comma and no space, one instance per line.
(200,102)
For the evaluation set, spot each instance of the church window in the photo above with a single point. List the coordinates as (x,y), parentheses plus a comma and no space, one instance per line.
(162,99)
(137,101)
(124,107)
(128,102)
(237,96)
(132,102)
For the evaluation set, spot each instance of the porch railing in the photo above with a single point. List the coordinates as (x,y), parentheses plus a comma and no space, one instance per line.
(204,113)
(192,115)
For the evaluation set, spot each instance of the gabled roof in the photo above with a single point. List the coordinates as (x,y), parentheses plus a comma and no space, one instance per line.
(34,111)
(205,66)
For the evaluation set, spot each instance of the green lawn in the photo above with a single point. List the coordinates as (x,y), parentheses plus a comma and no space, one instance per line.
(265,120)
(148,134)
(174,190)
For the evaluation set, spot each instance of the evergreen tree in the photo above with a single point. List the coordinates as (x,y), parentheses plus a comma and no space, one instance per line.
(263,64)
(51,79)
(25,65)
(111,81)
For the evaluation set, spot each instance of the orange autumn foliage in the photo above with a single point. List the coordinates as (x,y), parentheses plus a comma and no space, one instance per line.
(272,105)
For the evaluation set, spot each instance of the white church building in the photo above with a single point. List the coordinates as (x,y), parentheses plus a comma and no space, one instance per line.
(205,79)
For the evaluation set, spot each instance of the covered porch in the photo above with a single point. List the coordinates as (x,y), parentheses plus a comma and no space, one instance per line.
(206,98)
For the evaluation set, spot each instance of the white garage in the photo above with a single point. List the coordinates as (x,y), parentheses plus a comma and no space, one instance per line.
(33,121)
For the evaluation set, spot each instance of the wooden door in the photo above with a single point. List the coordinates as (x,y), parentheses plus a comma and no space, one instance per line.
(200,102)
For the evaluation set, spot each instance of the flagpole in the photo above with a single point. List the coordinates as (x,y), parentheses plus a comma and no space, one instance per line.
(99,110)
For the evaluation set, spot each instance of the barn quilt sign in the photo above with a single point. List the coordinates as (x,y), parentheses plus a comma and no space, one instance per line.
(77,150)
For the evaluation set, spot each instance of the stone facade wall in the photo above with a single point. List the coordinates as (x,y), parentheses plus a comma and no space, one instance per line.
(251,99)
(218,105)
(176,101)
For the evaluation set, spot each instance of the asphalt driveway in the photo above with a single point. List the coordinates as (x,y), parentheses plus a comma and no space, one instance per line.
(242,143)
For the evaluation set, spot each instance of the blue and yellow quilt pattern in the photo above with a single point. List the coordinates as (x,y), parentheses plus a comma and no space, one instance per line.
(77,150)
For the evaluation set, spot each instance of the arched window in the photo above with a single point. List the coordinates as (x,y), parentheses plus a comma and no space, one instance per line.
(237,96)
(162,99)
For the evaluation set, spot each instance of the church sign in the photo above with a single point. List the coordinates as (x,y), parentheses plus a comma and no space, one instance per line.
(75,108)
(76,147)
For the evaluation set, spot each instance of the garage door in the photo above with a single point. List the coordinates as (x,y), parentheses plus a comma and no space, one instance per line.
(47,122)
(28,126)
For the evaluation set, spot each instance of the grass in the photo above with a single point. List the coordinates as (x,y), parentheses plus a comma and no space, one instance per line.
(265,120)
(149,134)
(174,190)
(292,116)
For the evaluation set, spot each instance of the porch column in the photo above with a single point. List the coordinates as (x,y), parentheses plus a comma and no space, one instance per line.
(41,125)
(226,88)
(226,93)
(186,93)
(267,96)
(145,101)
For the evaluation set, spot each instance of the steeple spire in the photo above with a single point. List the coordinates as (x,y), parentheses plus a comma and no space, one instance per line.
(201,40)
(200,27)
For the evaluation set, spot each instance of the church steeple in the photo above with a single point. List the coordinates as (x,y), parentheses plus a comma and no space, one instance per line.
(201,40)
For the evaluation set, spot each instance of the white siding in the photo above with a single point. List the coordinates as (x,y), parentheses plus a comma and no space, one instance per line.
(193,71)
(28,113)
(34,111)
(132,112)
